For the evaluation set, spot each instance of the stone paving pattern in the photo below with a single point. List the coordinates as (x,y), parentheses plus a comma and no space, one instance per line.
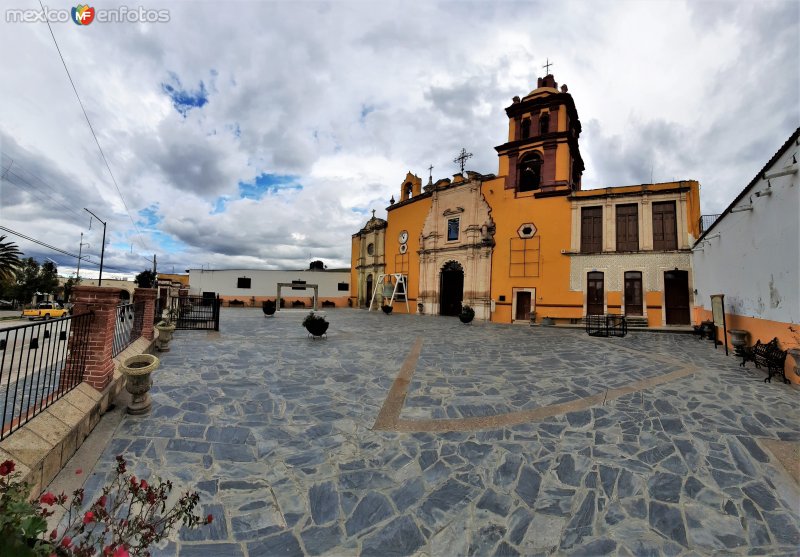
(273,430)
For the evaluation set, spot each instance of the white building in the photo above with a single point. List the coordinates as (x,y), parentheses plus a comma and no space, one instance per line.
(751,254)
(250,287)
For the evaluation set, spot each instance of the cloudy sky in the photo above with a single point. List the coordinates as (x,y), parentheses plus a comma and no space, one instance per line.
(261,134)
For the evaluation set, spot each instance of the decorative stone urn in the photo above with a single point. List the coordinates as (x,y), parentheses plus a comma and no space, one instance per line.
(137,370)
(165,331)
(738,337)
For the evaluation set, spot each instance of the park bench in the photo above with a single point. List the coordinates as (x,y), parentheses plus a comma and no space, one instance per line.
(767,355)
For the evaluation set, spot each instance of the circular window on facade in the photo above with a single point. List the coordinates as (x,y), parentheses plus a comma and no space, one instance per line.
(371,249)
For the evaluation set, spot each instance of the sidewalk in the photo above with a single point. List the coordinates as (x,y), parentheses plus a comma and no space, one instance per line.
(277,433)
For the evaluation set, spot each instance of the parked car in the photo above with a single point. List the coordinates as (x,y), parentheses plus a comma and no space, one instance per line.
(5,304)
(45,310)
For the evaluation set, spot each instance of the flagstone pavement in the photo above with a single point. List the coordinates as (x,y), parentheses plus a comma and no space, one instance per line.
(496,440)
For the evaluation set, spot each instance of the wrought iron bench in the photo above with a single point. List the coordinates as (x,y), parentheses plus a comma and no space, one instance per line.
(606,325)
(769,356)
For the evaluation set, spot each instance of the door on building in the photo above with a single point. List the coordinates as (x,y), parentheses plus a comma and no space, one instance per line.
(595,289)
(633,293)
(523,306)
(369,291)
(451,289)
(676,297)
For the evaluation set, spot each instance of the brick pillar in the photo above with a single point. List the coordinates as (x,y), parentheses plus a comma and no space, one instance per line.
(103,302)
(148,296)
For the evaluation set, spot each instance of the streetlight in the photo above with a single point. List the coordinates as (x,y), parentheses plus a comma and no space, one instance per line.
(102,249)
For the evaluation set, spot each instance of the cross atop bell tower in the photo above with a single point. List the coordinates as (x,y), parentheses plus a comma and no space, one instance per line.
(541,157)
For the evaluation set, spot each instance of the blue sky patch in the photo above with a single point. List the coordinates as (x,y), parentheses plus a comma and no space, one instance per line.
(149,216)
(268,183)
(184,99)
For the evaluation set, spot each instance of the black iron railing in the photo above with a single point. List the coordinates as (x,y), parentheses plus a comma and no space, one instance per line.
(706,221)
(606,325)
(129,320)
(196,312)
(40,363)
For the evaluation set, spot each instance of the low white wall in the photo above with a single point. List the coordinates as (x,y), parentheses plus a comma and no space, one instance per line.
(265,283)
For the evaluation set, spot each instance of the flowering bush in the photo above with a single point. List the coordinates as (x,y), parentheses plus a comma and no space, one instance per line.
(129,515)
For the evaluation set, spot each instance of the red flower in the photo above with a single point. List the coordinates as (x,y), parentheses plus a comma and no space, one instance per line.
(88,517)
(47,499)
(209,518)
(79,471)
(7,467)
(121,551)
(66,541)
(143,484)
(54,534)
(102,501)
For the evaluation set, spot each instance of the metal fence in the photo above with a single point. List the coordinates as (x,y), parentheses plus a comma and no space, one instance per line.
(706,221)
(606,325)
(130,318)
(40,363)
(196,312)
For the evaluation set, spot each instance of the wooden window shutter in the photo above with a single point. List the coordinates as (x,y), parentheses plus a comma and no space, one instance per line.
(591,229)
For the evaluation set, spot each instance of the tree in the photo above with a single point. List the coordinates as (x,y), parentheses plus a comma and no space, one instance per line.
(9,259)
(68,286)
(48,278)
(145,279)
(27,283)
(317,265)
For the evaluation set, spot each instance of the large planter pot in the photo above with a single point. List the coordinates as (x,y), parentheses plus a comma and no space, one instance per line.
(137,370)
(268,308)
(387,309)
(165,331)
(467,314)
(738,337)
(548,321)
(317,327)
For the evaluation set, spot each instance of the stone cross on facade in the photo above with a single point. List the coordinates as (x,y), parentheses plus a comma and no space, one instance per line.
(430,173)
(547,66)
(461,159)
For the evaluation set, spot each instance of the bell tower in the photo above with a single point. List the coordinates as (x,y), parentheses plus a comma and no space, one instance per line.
(541,157)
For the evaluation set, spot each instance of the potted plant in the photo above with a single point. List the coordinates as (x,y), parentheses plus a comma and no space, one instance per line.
(467,314)
(386,308)
(165,329)
(268,307)
(738,338)
(137,370)
(548,321)
(421,308)
(315,324)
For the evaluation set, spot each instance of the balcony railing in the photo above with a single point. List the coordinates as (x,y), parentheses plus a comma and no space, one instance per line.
(706,221)
(40,363)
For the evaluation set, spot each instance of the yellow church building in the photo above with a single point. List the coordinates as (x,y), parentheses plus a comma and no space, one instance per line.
(529,242)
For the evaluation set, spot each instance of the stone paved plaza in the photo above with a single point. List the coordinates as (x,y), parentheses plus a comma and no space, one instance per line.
(490,440)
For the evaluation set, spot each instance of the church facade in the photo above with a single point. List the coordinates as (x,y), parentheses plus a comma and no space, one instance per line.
(529,242)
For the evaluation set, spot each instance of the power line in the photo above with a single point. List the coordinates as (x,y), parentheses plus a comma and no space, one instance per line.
(84,258)
(46,200)
(108,166)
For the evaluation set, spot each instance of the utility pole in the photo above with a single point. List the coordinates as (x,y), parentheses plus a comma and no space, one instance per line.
(80,249)
(154,263)
(102,249)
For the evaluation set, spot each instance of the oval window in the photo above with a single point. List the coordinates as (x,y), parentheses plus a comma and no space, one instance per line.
(371,249)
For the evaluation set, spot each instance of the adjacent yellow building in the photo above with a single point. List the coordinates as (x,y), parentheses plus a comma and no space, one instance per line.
(529,243)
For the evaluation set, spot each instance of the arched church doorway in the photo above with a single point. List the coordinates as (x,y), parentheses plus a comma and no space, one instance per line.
(451,288)
(369,290)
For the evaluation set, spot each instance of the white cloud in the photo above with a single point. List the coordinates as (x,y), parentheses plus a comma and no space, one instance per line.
(345,100)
